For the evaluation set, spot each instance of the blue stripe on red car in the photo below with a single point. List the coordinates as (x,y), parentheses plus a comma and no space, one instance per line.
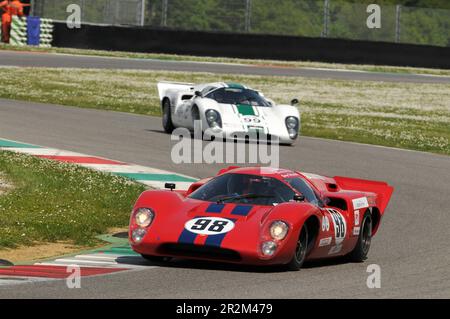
(187,237)
(241,210)
(215,208)
(216,240)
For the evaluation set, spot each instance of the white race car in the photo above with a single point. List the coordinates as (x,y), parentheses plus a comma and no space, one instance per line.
(229,108)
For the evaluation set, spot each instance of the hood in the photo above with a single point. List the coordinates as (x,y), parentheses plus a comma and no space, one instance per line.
(246,118)
(212,224)
(240,212)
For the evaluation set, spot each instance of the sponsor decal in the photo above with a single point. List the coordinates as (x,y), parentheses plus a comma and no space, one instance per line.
(356,217)
(325,242)
(209,226)
(359,203)
(335,249)
(289,175)
(340,225)
(356,231)
(313,176)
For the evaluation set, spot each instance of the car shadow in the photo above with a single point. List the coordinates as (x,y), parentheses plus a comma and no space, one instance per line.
(218,266)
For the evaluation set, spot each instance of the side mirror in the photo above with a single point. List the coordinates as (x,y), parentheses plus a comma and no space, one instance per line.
(299,198)
(198,94)
(294,102)
(170,186)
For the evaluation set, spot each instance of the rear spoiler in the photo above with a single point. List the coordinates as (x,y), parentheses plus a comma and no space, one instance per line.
(381,189)
(164,86)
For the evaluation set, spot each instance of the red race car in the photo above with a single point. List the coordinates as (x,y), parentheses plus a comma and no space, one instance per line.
(260,216)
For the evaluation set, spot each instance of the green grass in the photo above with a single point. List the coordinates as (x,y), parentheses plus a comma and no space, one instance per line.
(408,115)
(279,63)
(52,201)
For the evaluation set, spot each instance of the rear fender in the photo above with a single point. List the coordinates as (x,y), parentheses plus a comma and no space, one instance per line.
(382,190)
(168,89)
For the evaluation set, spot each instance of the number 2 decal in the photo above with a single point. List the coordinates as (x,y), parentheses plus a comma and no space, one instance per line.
(209,225)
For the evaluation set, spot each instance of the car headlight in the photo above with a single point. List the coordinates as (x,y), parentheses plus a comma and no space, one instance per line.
(213,118)
(292,125)
(279,230)
(291,122)
(268,248)
(144,217)
(138,235)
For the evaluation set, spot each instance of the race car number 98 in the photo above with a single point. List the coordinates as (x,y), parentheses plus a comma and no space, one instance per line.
(209,225)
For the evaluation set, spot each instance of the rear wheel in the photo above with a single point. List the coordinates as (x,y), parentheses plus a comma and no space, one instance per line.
(156,259)
(359,254)
(300,250)
(167,117)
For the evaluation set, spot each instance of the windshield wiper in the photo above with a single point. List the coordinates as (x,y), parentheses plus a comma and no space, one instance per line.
(237,197)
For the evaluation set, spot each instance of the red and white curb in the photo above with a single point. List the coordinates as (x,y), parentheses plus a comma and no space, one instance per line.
(149,176)
(98,262)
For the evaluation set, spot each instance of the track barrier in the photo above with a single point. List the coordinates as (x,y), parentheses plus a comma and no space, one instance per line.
(31,31)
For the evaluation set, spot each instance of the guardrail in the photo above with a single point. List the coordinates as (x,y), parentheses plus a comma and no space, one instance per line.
(252,46)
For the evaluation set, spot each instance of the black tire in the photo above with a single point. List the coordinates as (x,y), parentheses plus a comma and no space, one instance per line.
(156,259)
(359,254)
(195,113)
(300,251)
(167,117)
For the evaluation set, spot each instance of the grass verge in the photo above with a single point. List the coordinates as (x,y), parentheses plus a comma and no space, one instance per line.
(277,63)
(54,202)
(407,115)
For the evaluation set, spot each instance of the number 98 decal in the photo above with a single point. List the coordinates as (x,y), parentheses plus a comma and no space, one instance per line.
(340,225)
(209,225)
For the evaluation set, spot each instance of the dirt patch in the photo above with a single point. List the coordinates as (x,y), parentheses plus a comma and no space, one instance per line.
(39,251)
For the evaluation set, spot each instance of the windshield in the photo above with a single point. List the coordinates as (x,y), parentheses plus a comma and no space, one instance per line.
(238,96)
(245,189)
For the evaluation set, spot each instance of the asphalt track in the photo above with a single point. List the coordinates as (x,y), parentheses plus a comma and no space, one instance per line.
(411,247)
(37,59)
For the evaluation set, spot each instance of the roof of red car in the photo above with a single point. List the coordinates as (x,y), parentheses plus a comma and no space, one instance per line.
(262,171)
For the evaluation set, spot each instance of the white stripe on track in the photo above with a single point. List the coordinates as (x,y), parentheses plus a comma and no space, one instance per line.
(41,151)
(124,168)
(76,261)
(100,257)
(93,265)
(100,260)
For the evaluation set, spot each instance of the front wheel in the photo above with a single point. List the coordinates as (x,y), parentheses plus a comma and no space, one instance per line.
(167,117)
(300,251)
(359,254)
